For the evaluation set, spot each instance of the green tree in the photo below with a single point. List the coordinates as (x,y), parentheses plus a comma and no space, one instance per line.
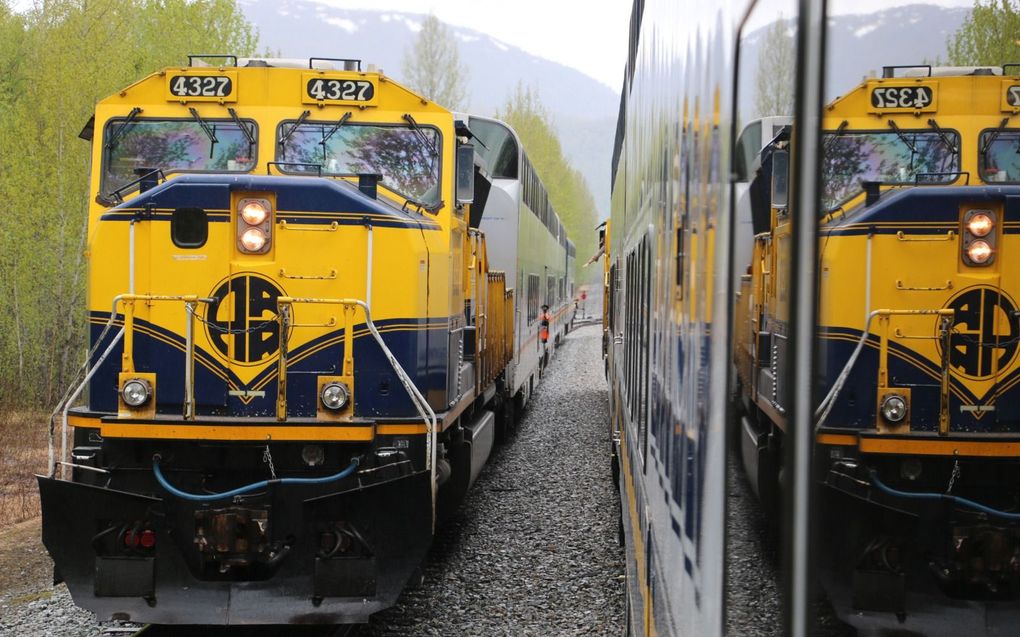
(432,66)
(568,191)
(774,81)
(56,61)
(989,36)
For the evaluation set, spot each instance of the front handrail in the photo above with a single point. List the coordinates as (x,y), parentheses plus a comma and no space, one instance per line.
(126,333)
(822,412)
(428,415)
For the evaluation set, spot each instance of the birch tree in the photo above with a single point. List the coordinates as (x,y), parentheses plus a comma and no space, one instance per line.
(432,66)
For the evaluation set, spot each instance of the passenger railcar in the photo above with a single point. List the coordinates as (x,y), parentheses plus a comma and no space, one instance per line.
(299,344)
(919,421)
(527,239)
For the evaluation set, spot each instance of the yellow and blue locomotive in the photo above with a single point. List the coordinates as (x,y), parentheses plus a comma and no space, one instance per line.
(299,349)
(918,424)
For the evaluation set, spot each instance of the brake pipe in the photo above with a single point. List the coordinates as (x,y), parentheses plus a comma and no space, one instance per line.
(910,495)
(255,486)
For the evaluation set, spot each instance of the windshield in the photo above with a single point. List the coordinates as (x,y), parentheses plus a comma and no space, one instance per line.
(1000,162)
(497,147)
(903,157)
(408,165)
(174,146)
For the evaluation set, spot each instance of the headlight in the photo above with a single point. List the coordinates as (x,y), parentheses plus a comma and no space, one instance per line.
(136,392)
(980,224)
(979,252)
(335,396)
(253,240)
(313,455)
(254,213)
(894,408)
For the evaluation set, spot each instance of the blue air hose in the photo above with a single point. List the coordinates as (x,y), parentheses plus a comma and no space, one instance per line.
(942,496)
(255,486)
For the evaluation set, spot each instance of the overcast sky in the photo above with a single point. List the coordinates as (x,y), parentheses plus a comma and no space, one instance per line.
(588,35)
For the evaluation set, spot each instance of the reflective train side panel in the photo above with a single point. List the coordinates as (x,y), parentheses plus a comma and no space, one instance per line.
(918,426)
(668,272)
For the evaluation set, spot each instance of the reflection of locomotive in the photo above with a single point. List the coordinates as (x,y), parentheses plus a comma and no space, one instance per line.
(919,426)
(301,342)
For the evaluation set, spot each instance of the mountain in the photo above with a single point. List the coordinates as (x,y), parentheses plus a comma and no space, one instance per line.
(583,109)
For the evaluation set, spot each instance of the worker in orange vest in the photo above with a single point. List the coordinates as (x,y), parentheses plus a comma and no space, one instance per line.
(543,330)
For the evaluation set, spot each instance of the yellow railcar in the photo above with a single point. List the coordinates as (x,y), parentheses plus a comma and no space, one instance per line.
(298,346)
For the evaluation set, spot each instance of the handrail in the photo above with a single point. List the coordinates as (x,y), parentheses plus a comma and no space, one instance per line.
(126,333)
(421,404)
(822,412)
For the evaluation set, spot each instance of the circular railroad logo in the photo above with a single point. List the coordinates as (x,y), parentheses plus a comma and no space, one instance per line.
(985,332)
(242,322)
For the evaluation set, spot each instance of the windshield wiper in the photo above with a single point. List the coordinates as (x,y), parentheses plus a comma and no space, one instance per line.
(903,138)
(906,142)
(430,207)
(325,138)
(831,141)
(291,131)
(942,135)
(993,135)
(209,132)
(433,155)
(244,129)
(420,135)
(115,136)
(339,124)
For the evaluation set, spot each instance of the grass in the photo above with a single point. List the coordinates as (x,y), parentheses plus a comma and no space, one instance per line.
(23,442)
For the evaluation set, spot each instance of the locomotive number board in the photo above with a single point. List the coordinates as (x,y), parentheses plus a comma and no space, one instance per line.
(322,88)
(913,97)
(202,87)
(1010,96)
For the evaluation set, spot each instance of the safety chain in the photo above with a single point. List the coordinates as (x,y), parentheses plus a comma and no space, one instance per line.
(952,478)
(267,458)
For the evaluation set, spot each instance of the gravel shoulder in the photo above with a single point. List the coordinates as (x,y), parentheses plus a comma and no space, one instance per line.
(533,549)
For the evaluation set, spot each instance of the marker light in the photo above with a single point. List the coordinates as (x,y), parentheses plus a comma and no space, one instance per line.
(894,408)
(147,539)
(979,252)
(253,240)
(255,212)
(980,224)
(335,396)
(136,392)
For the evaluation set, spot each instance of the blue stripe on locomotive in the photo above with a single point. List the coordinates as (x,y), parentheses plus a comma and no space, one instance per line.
(335,201)
(419,345)
(932,210)
(856,407)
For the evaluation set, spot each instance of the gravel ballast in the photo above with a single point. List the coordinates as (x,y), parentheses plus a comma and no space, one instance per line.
(533,549)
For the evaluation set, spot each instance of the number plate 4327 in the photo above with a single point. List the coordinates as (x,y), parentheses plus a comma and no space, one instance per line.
(344,90)
(199,87)
(912,98)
